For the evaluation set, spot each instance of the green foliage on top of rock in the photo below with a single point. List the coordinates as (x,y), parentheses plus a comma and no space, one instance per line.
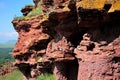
(29,12)
(35,12)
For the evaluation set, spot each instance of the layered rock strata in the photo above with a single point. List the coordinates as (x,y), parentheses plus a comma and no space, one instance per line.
(74,39)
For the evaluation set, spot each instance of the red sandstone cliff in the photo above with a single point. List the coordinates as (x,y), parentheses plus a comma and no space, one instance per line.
(73,39)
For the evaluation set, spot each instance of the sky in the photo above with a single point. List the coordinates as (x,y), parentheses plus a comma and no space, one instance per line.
(9,9)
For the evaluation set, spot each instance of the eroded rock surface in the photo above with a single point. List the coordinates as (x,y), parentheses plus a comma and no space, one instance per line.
(75,40)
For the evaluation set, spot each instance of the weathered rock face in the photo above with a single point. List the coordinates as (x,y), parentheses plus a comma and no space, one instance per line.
(77,42)
(27,9)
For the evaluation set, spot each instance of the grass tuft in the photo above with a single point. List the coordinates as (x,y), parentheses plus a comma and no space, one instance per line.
(46,77)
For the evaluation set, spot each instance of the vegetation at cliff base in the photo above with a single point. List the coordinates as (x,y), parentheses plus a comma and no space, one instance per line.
(17,75)
(46,77)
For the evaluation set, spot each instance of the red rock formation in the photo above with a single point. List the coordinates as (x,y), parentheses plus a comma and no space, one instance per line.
(27,9)
(76,43)
(32,42)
